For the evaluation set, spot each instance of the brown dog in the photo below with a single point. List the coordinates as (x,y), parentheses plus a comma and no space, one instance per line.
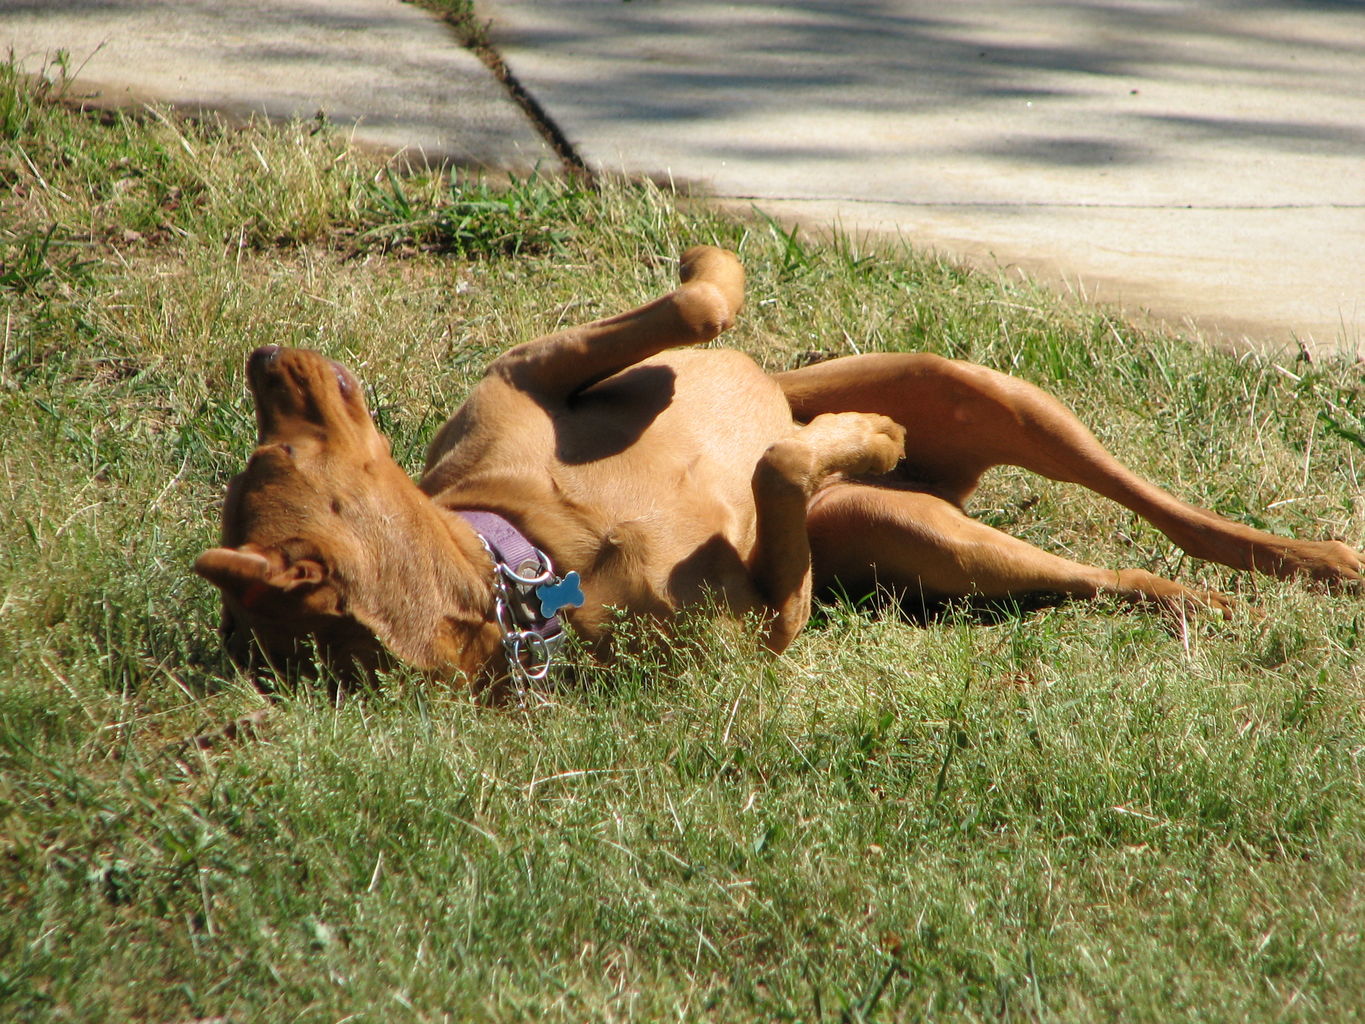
(653,479)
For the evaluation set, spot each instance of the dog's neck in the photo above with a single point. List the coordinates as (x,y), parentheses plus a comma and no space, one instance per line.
(429,592)
(468,637)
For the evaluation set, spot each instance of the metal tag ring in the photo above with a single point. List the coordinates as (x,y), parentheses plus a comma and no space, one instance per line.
(535,646)
(546,575)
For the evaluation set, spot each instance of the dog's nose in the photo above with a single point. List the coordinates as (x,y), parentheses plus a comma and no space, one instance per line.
(264,356)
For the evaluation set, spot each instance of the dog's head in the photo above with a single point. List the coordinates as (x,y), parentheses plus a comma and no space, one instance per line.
(329,548)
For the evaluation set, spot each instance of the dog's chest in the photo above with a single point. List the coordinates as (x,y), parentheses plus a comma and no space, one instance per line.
(643,484)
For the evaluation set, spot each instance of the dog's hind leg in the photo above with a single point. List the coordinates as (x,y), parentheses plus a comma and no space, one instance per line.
(562,364)
(786,477)
(865,537)
(961,419)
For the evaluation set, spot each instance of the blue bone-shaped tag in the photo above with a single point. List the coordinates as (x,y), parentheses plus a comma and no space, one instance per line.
(565,593)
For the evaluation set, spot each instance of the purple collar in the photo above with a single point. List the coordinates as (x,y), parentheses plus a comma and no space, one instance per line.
(509,545)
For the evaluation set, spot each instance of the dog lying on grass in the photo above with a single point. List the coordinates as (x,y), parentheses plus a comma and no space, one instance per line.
(607,468)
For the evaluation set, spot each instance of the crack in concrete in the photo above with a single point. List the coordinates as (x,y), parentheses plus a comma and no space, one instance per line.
(540,119)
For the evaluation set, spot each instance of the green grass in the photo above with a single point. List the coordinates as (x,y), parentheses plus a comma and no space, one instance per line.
(1044,814)
(460,15)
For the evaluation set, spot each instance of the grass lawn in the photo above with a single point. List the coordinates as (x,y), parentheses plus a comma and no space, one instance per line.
(1058,813)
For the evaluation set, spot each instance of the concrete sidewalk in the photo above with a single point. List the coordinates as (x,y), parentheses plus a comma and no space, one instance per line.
(1205,162)
(390,72)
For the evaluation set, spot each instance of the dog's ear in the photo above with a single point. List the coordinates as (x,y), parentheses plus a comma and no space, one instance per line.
(249,574)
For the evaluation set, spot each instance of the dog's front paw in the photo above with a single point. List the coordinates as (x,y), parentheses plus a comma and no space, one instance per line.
(840,443)
(883,444)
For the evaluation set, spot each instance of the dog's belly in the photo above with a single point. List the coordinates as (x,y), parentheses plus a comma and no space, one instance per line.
(656,564)
(674,508)
(662,457)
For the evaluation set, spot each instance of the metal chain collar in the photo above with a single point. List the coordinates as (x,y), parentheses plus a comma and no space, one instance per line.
(529,646)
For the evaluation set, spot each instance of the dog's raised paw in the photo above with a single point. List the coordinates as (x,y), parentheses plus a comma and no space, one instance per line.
(881,443)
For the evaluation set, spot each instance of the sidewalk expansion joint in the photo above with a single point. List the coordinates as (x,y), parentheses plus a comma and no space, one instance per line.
(530,106)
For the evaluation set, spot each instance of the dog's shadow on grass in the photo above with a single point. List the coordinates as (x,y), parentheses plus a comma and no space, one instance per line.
(922,611)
